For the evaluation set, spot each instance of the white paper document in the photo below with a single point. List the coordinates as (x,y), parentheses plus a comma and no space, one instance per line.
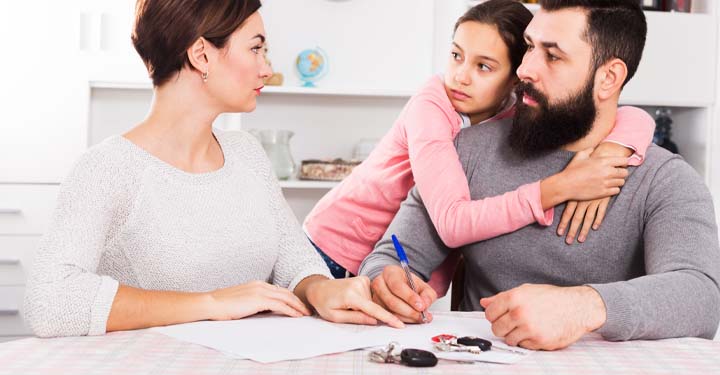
(272,338)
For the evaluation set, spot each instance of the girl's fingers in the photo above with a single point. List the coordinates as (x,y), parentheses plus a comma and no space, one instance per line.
(589,218)
(566,216)
(602,209)
(576,222)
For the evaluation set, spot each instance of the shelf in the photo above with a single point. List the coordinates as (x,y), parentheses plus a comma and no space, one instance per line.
(293,90)
(302,184)
(272,90)
(638,102)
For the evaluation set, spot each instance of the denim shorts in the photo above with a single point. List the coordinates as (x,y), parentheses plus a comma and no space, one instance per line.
(336,270)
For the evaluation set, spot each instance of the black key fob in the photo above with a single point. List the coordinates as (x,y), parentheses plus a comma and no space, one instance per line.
(483,344)
(418,358)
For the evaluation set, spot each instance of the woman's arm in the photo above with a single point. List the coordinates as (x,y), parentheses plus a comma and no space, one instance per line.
(64,295)
(135,308)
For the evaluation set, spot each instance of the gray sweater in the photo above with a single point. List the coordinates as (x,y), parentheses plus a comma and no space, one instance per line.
(655,260)
(124,216)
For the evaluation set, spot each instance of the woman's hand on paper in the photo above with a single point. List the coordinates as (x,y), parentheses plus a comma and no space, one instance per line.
(348,301)
(251,298)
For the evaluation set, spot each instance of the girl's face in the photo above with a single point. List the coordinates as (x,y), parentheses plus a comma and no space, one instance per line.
(478,78)
(236,72)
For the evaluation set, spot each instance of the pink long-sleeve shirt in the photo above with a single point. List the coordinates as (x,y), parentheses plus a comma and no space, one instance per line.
(419,150)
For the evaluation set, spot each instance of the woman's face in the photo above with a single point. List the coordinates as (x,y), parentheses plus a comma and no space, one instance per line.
(478,78)
(236,72)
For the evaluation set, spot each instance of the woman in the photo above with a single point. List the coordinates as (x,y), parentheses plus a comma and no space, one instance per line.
(173,222)
(477,86)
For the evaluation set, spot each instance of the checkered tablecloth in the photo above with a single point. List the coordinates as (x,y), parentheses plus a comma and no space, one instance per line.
(144,352)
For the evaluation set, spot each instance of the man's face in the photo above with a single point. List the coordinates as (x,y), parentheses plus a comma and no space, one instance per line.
(556,103)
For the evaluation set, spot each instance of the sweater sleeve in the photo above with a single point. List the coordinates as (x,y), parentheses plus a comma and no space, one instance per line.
(419,238)
(633,129)
(680,294)
(297,259)
(443,185)
(65,296)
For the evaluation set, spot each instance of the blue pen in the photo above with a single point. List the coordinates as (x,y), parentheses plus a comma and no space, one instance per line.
(406,266)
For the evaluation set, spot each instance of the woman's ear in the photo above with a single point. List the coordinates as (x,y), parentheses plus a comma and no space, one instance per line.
(610,79)
(197,54)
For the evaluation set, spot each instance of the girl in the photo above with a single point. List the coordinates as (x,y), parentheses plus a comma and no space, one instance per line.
(477,86)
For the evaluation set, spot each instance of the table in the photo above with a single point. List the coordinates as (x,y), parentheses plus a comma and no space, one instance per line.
(146,352)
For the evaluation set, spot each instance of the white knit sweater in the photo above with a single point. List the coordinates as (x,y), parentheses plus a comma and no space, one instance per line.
(124,216)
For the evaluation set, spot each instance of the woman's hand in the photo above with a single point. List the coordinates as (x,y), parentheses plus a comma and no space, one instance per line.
(591,213)
(348,301)
(249,299)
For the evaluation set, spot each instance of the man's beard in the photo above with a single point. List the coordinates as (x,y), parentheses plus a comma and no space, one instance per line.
(543,128)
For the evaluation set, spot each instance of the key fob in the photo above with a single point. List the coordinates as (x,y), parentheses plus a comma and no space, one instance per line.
(417,358)
(483,344)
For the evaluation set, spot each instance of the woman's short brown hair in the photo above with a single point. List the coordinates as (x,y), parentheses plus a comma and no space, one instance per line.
(165,29)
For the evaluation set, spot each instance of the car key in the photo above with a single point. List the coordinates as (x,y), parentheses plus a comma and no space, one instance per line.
(484,344)
(417,358)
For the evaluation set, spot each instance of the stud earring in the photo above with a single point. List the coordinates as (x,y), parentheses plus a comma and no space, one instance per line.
(205,76)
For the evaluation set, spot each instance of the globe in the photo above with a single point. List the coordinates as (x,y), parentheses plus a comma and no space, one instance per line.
(311,65)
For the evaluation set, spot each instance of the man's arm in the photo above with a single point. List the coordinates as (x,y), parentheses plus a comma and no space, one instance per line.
(680,295)
(414,229)
(425,251)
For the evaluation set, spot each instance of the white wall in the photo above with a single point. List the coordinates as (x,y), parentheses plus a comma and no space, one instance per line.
(377,44)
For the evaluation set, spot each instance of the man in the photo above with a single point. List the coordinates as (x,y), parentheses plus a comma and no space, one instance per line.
(650,272)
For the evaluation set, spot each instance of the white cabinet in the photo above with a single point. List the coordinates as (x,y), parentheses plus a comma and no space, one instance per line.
(25,212)
(678,63)
(106,48)
(43,95)
(11,322)
(26,209)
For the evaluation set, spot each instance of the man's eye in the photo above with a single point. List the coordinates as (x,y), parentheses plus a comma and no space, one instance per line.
(552,57)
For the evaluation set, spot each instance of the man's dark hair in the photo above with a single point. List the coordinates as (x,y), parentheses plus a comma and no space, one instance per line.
(511,19)
(616,29)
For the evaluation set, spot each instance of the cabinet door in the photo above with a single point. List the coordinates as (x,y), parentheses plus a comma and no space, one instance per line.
(44,97)
(105,27)
(678,64)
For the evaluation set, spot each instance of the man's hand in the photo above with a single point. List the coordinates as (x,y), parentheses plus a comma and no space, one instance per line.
(544,317)
(390,289)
